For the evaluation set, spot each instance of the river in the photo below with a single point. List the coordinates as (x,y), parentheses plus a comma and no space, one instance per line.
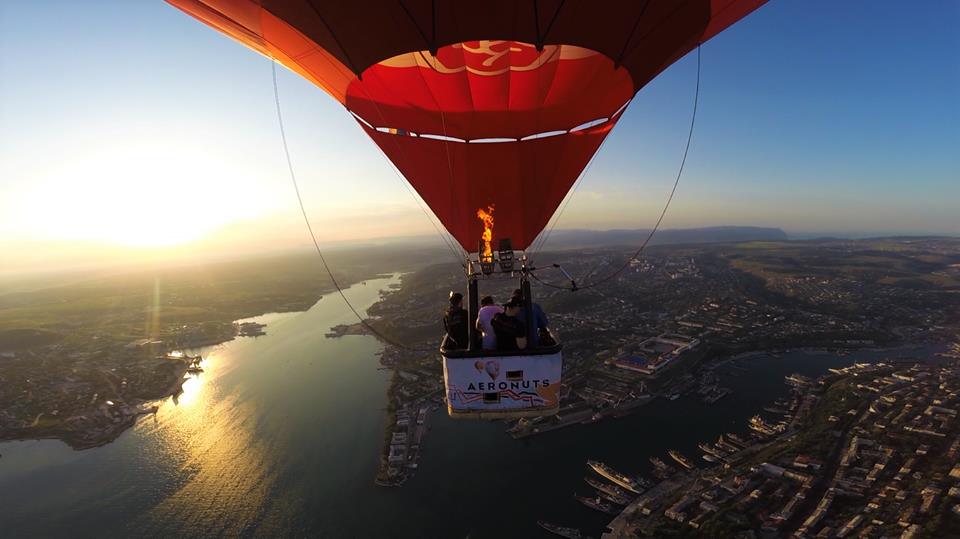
(280,435)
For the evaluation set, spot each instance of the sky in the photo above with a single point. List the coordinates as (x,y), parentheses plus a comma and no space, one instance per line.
(128,127)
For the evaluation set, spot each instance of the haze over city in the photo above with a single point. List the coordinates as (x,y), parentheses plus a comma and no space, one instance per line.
(128,130)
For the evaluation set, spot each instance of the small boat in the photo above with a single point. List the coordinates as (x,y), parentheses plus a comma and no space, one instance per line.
(597,504)
(682,460)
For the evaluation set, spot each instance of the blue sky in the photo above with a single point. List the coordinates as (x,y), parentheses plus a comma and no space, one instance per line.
(818,117)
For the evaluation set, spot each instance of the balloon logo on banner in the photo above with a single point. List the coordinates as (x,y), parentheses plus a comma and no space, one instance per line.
(493,369)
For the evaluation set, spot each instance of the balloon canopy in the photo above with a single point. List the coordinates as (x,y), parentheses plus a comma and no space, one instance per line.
(495,104)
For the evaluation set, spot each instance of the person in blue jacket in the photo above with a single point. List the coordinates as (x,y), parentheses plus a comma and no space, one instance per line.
(540,321)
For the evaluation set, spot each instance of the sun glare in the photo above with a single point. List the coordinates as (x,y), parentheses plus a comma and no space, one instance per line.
(146,196)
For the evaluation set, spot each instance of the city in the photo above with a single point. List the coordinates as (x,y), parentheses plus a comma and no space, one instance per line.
(682,323)
(728,302)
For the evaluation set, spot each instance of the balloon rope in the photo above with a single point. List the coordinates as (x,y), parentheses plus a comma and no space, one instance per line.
(542,239)
(676,182)
(313,237)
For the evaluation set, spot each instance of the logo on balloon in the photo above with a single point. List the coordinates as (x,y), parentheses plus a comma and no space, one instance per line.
(488,57)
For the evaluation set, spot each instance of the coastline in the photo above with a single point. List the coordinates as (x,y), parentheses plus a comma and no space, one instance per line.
(103,433)
(81,432)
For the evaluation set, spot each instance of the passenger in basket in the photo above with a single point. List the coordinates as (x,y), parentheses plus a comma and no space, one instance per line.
(455,322)
(487,311)
(510,331)
(540,321)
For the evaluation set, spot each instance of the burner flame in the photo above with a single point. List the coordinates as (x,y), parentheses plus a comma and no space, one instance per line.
(486,216)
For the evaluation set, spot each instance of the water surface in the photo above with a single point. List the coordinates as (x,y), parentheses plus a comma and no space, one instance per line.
(280,437)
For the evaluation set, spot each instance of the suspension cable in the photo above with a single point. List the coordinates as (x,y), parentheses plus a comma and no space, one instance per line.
(313,237)
(666,206)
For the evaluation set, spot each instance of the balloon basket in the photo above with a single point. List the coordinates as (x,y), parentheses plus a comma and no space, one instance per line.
(502,385)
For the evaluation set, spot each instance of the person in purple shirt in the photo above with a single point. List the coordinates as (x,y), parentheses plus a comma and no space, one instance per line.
(488,309)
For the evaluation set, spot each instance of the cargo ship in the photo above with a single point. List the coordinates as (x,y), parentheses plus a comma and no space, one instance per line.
(569,533)
(682,460)
(615,476)
(597,504)
(615,493)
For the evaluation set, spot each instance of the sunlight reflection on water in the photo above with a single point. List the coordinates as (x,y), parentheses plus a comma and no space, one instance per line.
(208,462)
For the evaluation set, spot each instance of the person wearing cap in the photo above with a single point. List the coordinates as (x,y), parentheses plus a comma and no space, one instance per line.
(455,322)
(488,309)
(511,332)
(539,318)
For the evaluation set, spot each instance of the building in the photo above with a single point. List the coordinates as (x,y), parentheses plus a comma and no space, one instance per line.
(656,353)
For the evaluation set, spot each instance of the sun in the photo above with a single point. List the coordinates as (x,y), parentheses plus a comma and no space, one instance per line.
(147,195)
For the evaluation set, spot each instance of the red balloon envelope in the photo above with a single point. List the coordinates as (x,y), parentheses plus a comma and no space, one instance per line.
(494,104)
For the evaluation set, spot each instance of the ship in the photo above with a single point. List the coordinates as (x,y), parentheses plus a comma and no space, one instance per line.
(661,470)
(569,533)
(709,458)
(759,425)
(659,464)
(615,493)
(597,504)
(716,395)
(663,473)
(737,440)
(727,445)
(713,451)
(615,476)
(625,407)
(645,483)
(615,500)
(797,380)
(682,460)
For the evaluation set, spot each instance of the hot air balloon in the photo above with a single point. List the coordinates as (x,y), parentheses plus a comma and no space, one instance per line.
(490,110)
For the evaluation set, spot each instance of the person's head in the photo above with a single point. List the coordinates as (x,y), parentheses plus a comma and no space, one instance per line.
(512,307)
(518,294)
(456,299)
(486,300)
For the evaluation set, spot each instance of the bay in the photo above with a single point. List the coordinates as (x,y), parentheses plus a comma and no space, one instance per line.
(280,436)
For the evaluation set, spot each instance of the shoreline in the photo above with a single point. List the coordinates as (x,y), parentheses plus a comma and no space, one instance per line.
(101,434)
(80,440)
